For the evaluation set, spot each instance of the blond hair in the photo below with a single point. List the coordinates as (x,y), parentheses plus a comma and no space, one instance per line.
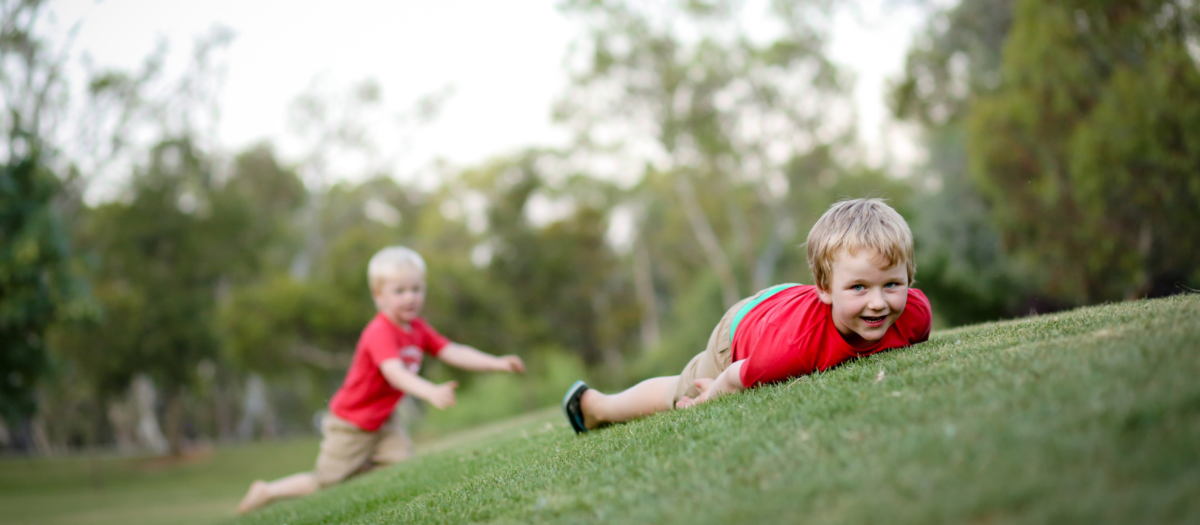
(386,262)
(855,225)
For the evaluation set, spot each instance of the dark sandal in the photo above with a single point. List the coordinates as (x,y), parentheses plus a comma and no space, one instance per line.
(572,408)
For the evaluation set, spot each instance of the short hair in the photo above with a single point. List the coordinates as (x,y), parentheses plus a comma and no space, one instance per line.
(385,262)
(854,225)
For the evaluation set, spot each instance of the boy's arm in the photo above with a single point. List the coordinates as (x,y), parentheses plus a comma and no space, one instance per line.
(729,382)
(441,396)
(467,358)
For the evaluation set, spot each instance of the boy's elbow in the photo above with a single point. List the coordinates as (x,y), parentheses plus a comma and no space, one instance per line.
(734,385)
(733,377)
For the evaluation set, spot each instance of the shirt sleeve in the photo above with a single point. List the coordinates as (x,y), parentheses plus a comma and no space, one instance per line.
(434,342)
(920,322)
(774,361)
(765,369)
(378,346)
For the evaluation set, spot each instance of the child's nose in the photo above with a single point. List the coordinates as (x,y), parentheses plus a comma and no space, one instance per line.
(876,301)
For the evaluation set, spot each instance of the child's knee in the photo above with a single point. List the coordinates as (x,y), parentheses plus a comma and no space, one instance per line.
(393,452)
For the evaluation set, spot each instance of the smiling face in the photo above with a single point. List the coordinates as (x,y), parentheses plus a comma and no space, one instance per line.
(866,298)
(402,295)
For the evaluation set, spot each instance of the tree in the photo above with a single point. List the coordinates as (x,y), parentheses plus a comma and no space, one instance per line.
(35,279)
(156,252)
(161,253)
(710,104)
(561,274)
(166,254)
(1088,149)
(964,267)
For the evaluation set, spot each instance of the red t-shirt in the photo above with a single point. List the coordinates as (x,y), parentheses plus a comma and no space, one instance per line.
(792,334)
(366,398)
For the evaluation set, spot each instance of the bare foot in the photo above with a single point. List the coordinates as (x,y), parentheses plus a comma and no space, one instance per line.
(587,407)
(256,497)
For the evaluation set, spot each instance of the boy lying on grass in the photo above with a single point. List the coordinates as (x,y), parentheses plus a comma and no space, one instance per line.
(360,432)
(861,256)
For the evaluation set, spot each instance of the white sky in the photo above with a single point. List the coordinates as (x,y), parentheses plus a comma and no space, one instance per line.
(503,60)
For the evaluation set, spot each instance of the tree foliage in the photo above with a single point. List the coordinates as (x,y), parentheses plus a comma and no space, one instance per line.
(164,255)
(1088,149)
(965,268)
(33,280)
(689,90)
(735,126)
(708,138)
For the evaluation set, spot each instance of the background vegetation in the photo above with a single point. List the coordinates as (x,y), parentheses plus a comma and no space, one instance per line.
(217,296)
(1088,416)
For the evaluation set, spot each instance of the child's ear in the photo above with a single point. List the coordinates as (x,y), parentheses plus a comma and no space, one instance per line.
(824,296)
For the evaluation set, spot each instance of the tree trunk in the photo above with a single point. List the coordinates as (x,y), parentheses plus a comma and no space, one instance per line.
(764,267)
(174,420)
(256,410)
(772,201)
(707,238)
(6,437)
(1145,275)
(314,241)
(37,433)
(739,232)
(145,399)
(124,422)
(223,412)
(643,282)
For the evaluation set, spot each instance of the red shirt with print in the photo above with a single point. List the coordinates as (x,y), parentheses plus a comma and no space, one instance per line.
(366,398)
(792,334)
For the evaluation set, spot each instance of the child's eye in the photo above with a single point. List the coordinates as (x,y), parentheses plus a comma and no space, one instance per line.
(858,287)
(891,285)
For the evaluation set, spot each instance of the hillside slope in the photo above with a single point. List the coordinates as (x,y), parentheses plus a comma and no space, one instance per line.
(1087,416)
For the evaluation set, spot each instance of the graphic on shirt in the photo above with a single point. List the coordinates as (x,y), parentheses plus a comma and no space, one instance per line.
(411,356)
(366,398)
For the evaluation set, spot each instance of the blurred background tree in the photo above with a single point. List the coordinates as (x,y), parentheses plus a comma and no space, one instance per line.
(964,267)
(1089,147)
(36,286)
(222,293)
(745,129)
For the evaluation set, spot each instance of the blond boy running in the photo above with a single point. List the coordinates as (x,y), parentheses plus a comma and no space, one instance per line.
(360,432)
(861,256)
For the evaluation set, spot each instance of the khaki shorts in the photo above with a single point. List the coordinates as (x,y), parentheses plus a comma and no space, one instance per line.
(712,361)
(347,450)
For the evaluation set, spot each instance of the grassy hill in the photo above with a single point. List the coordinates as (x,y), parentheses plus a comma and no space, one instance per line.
(1091,416)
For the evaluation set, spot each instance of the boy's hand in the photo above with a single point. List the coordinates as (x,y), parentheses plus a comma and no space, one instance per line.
(705,387)
(511,364)
(442,396)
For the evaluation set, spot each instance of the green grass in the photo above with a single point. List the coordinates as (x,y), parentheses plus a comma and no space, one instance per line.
(1091,416)
(202,488)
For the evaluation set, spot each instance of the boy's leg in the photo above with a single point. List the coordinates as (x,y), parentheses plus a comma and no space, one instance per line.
(394,444)
(344,450)
(661,393)
(262,493)
(640,400)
